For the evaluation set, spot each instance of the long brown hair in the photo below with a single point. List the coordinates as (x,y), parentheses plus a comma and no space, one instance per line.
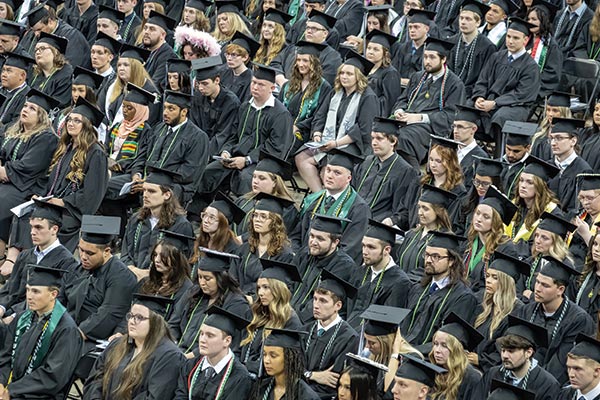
(454,175)
(16,130)
(279,238)
(269,49)
(137,75)
(590,265)
(542,199)
(493,238)
(177,275)
(315,78)
(169,211)
(595,26)
(455,271)
(220,239)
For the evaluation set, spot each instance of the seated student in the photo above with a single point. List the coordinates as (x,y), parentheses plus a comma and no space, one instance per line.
(237,76)
(154,39)
(83,17)
(216,374)
(271,309)
(467,122)
(503,391)
(495,27)
(589,140)
(569,23)
(585,291)
(557,105)
(516,151)
(517,346)
(415,378)
(284,364)
(384,79)
(11,33)
(109,22)
(560,316)
(143,363)
(583,364)
(14,87)
(329,338)
(358,380)
(102,53)
(131,22)
(99,293)
(179,75)
(407,57)
(47,342)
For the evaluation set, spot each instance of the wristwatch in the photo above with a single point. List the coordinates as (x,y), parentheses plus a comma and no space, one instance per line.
(307,374)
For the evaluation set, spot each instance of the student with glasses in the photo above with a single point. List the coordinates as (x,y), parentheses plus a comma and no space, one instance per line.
(466,125)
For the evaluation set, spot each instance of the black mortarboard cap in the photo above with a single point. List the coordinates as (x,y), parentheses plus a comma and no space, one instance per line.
(442,47)
(14,4)
(556,224)
(165,22)
(507,5)
(325,20)
(137,53)
(183,100)
(466,113)
(588,181)
(366,364)
(42,99)
(445,142)
(502,204)
(233,6)
(559,99)
(547,6)
(535,334)
(154,303)
(508,264)
(207,67)
(228,208)
(246,42)
(274,165)
(179,65)
(587,347)
(114,15)
(387,126)
(383,232)
(557,270)
(286,338)
(446,240)
(500,390)
(282,271)
(340,287)
(435,195)
(162,177)
(138,95)
(110,43)
(40,275)
(518,24)
(225,320)
(264,72)
(477,7)
(200,5)
(271,203)
(418,16)
(215,261)
(345,157)
(382,38)
(315,49)
(54,4)
(82,76)
(36,14)
(277,16)
(381,8)
(88,110)
(19,61)
(184,243)
(58,42)
(468,336)
(49,211)
(540,168)
(383,320)
(10,28)
(415,369)
(488,167)
(519,133)
(567,125)
(329,224)
(98,229)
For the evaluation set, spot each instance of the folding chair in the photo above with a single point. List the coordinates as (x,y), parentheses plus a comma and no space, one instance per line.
(586,70)
(82,371)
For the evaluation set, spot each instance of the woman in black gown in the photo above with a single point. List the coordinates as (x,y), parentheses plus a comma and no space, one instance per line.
(384,79)
(52,73)
(586,291)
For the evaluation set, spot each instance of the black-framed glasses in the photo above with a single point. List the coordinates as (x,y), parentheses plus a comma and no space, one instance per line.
(434,257)
(481,184)
(137,318)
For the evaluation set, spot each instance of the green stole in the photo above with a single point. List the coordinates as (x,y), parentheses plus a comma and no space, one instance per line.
(340,208)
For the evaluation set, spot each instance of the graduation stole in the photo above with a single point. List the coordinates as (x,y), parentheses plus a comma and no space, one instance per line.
(471,260)
(193,376)
(308,104)
(340,208)
(539,53)
(43,343)
(348,120)
(380,187)
(523,233)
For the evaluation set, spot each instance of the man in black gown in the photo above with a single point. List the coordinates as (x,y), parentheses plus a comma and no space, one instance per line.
(10,37)
(408,57)
(131,22)
(154,39)
(569,23)
(583,362)
(83,17)
(415,378)
(14,87)
(466,124)
(517,145)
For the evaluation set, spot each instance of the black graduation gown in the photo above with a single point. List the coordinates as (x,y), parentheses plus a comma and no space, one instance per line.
(569,393)
(510,176)
(428,313)
(126,160)
(551,72)
(565,184)
(446,17)
(469,382)
(129,27)
(389,187)
(467,164)
(588,299)
(329,57)
(349,17)
(84,23)
(575,321)
(501,42)
(237,386)
(159,375)
(238,85)
(155,116)
(327,351)
(590,142)
(78,48)
(218,118)
(49,381)
(98,300)
(304,391)
(11,108)
(567,30)
(156,64)
(385,82)
(405,61)
(540,381)
(541,149)
(467,61)
(57,85)
(476,275)
(409,254)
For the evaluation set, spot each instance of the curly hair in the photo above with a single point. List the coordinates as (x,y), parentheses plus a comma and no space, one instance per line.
(544,196)
(315,78)
(201,23)
(498,305)
(454,175)
(138,76)
(447,385)
(59,61)
(169,211)
(386,61)
(362,82)
(279,239)
(269,49)
(493,238)
(219,240)
(17,130)
(178,271)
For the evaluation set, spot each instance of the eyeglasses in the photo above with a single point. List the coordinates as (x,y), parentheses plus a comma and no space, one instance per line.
(260,217)
(558,138)
(314,28)
(587,199)
(208,217)
(460,127)
(137,318)
(434,257)
(41,48)
(481,184)
(76,121)
(232,55)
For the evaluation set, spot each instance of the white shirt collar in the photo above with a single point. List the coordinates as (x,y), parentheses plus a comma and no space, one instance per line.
(442,283)
(564,164)
(336,321)
(591,395)
(220,365)
(335,196)
(518,54)
(269,103)
(176,127)
(438,75)
(106,73)
(375,274)
(40,254)
(464,150)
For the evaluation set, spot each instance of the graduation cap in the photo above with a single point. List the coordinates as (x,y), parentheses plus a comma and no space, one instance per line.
(88,110)
(40,275)
(54,4)
(314,49)
(587,347)
(179,65)
(540,168)
(435,195)
(58,42)
(281,271)
(96,229)
(10,28)
(518,24)
(14,4)
(556,224)
(115,16)
(340,287)
(134,52)
(559,99)
(165,22)
(444,142)
(36,14)
(501,390)
(82,76)
(445,240)
(228,208)
(415,369)
(383,320)
(440,46)
(162,177)
(207,67)
(326,223)
(277,16)
(325,20)
(274,165)
(567,125)
(183,100)
(225,320)
(468,336)
(366,364)
(264,72)
(381,8)
(161,2)
(345,157)
(383,232)
(557,270)
(184,243)
(138,95)
(550,8)
(508,264)
(477,7)
(200,5)
(42,99)
(271,203)
(488,167)
(246,42)
(215,261)
(18,61)
(233,6)
(156,304)
(535,334)
(286,338)
(387,126)
(49,211)
(358,61)
(507,6)
(502,204)
(519,133)
(382,38)
(588,181)
(417,16)
(466,113)
(108,42)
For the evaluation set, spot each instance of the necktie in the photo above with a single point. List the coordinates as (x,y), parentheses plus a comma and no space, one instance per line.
(169,131)
(510,59)
(328,202)
(209,372)
(433,288)
(320,332)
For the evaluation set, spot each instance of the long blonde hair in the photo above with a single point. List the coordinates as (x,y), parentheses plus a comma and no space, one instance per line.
(558,250)
(564,112)
(237,24)
(16,130)
(447,385)
(493,238)
(386,343)
(269,49)
(499,304)
(137,75)
(362,82)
